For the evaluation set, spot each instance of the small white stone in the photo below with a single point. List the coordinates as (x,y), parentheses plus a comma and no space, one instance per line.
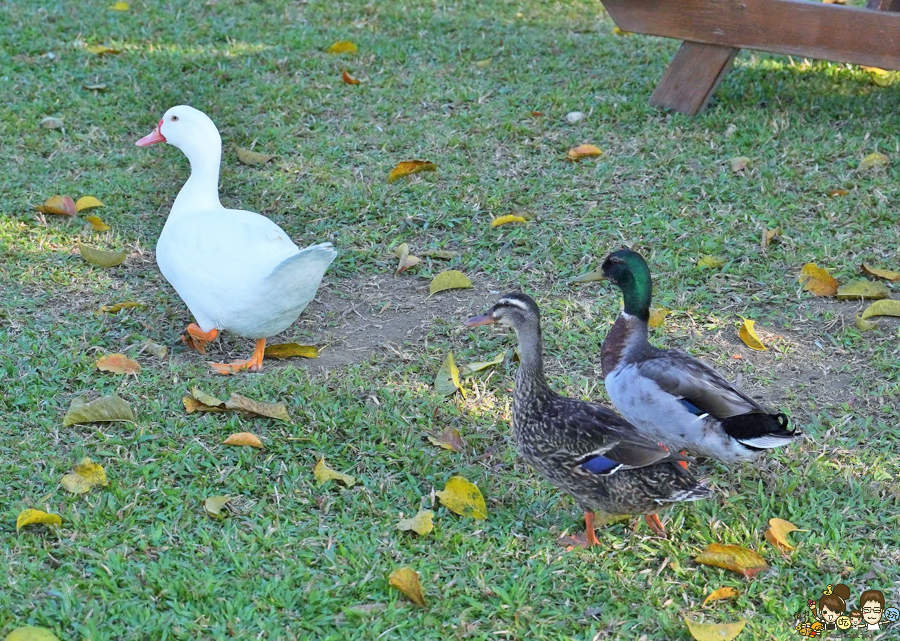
(574,116)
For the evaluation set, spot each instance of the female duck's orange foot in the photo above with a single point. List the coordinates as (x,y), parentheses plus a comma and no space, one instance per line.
(586,539)
(655,525)
(683,463)
(196,338)
(252,365)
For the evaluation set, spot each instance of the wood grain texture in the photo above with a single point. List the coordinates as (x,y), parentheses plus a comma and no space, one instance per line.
(692,77)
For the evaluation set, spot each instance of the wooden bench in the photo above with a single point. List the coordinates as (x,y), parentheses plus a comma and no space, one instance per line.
(713,31)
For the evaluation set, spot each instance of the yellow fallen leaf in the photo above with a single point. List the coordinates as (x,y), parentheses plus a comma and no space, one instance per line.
(710,262)
(657,316)
(589,277)
(838,192)
(450,279)
(888,307)
(714,631)
(734,558)
(192,405)
(887,274)
(85,475)
(446,381)
(59,205)
(350,80)
(112,309)
(244,438)
(118,364)
(584,151)
(103,50)
(864,325)
(463,497)
(777,533)
(52,123)
(257,408)
(342,46)
(505,220)
(97,223)
(100,410)
(619,32)
(291,350)
(739,163)
(817,280)
(483,63)
(408,167)
(748,335)
(863,288)
(406,260)
(407,581)
(214,504)
(440,253)
(87,202)
(248,157)
(769,236)
(874,161)
(100,257)
(36,517)
(471,368)
(422,523)
(450,439)
(323,474)
(31,633)
(119,6)
(155,349)
(720,593)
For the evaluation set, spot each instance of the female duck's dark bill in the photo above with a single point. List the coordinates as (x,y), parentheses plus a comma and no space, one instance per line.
(475,321)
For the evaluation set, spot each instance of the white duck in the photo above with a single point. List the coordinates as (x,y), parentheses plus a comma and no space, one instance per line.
(235,270)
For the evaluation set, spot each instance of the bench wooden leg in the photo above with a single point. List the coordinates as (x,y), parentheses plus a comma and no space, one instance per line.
(692,77)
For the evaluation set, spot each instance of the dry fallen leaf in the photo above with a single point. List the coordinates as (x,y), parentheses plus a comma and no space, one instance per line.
(508,218)
(471,368)
(119,6)
(103,50)
(864,325)
(483,63)
(734,558)
(450,439)
(817,280)
(463,497)
(95,87)
(100,410)
(407,581)
(838,192)
(863,288)
(748,335)
(112,309)
(248,157)
(887,274)
(777,533)
(657,316)
(888,307)
(100,257)
(244,438)
(87,202)
(350,80)
(59,205)
(257,408)
(85,475)
(291,350)
(52,123)
(323,474)
(714,631)
(720,593)
(874,161)
(36,517)
(118,364)
(406,260)
(342,46)
(408,167)
(769,236)
(421,523)
(584,151)
(31,633)
(214,504)
(450,279)
(155,349)
(446,381)
(739,163)
(97,223)
(589,277)
(619,32)
(440,253)
(710,262)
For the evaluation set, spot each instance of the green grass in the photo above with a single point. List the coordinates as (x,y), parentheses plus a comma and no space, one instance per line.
(141,560)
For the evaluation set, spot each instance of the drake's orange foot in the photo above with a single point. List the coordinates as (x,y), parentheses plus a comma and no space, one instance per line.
(196,338)
(655,525)
(683,463)
(252,365)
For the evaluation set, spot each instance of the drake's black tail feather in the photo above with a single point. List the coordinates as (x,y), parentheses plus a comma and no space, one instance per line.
(760,431)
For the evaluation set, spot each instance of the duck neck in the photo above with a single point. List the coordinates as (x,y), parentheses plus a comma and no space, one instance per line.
(531,385)
(201,191)
(625,342)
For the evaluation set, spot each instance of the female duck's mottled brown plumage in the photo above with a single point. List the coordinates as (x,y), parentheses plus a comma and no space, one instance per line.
(582,448)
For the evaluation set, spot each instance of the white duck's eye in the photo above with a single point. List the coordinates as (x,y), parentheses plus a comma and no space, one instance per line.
(174,118)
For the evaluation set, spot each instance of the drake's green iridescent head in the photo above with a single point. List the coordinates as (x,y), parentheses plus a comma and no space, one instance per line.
(629,271)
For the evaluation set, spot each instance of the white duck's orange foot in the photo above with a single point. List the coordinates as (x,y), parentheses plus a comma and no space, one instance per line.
(196,338)
(254,364)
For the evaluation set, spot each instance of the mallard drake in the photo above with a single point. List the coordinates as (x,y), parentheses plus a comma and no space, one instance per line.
(585,449)
(670,396)
(235,270)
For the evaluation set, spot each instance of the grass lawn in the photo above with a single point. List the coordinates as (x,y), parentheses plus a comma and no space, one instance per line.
(455,83)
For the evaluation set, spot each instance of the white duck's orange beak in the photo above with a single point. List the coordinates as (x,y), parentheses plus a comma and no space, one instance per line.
(152,138)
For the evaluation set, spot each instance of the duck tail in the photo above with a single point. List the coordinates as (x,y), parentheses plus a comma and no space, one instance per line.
(760,431)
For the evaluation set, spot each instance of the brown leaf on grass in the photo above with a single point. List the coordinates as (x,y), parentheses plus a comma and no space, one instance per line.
(463,497)
(450,439)
(888,307)
(887,274)
(710,262)
(118,364)
(214,504)
(350,80)
(422,523)
(817,280)
(154,349)
(450,279)
(31,633)
(406,260)
(408,167)
(342,46)
(874,161)
(248,157)
(36,517)
(59,205)
(657,316)
(446,381)
(100,257)
(861,289)
(739,163)
(777,534)
(720,593)
(748,334)
(471,368)
(589,277)
(291,350)
(257,408)
(100,410)
(769,236)
(87,202)
(85,475)
(407,581)
(97,223)
(207,399)
(323,474)
(583,151)
(734,558)
(507,219)
(103,50)
(714,631)
(838,192)
(113,309)
(244,439)
(52,123)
